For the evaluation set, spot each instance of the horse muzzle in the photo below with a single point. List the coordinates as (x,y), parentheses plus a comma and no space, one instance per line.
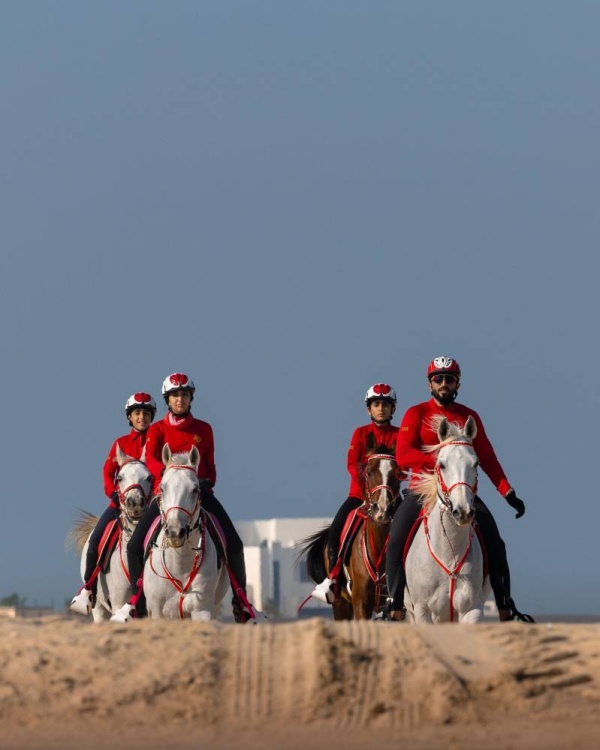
(176,537)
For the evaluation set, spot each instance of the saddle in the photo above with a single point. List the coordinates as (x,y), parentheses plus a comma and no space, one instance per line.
(108,542)
(350,529)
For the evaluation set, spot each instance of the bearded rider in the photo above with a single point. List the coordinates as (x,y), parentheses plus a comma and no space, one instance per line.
(416,433)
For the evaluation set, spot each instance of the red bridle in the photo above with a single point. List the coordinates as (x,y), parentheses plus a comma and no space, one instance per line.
(188,513)
(372,490)
(445,490)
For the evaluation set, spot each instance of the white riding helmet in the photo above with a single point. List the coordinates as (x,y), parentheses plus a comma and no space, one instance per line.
(381,392)
(140,401)
(177,381)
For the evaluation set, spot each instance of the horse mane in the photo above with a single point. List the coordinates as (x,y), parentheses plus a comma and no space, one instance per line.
(425,483)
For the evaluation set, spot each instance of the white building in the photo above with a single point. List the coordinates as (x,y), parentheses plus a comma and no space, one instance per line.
(276,580)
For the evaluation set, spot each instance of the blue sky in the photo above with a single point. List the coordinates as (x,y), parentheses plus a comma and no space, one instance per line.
(290,202)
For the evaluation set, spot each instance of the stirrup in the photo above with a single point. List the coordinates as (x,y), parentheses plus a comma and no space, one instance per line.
(124,613)
(324,591)
(82,602)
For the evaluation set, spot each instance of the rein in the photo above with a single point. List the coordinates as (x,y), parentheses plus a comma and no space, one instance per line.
(181,587)
(452,573)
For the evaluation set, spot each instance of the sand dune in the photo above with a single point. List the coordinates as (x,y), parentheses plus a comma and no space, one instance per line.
(66,684)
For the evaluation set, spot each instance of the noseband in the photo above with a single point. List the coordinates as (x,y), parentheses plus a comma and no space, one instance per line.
(188,513)
(444,491)
(372,490)
(135,486)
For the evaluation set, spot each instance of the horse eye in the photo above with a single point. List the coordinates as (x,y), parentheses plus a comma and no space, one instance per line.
(442,465)
(119,477)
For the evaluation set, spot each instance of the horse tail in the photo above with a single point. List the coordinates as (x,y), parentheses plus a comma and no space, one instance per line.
(82,528)
(313,550)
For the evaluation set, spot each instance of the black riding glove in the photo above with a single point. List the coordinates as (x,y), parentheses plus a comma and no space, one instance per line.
(206,487)
(514,502)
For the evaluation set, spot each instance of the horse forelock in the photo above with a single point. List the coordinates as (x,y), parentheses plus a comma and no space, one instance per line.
(179,459)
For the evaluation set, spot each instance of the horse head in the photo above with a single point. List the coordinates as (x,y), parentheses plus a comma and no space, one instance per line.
(382,481)
(134,483)
(456,469)
(180,495)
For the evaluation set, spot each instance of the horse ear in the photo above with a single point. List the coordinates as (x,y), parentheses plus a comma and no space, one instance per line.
(120,456)
(470,428)
(443,429)
(143,456)
(195,457)
(166,454)
(371,443)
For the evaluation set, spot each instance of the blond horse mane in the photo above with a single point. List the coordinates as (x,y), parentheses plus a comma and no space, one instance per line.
(425,484)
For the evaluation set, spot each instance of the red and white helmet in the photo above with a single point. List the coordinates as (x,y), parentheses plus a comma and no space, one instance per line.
(177,381)
(140,401)
(443,366)
(380,391)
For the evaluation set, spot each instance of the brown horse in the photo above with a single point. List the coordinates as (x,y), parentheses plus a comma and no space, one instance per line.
(362,579)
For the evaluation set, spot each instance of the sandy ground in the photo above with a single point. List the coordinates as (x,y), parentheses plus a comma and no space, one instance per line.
(311,684)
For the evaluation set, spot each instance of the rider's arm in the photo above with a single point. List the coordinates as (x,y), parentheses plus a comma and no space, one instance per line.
(154,446)
(109,473)
(207,468)
(355,462)
(488,460)
(409,453)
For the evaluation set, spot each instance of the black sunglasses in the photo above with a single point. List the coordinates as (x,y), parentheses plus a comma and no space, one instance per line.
(439,379)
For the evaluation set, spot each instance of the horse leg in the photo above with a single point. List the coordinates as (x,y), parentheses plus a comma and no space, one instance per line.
(342,609)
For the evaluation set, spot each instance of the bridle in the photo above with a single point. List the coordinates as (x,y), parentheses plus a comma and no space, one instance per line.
(185,511)
(443,489)
(135,486)
(370,491)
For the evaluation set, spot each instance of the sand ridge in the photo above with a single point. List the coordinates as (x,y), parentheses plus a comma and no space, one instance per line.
(310,681)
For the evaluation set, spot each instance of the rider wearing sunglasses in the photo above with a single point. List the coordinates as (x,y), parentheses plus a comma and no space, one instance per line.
(381,405)
(140,410)
(417,431)
(182,431)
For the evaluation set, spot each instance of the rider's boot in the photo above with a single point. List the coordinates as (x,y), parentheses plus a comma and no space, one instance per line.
(237,566)
(84,601)
(328,590)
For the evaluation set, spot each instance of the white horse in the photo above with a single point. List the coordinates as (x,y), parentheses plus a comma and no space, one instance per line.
(134,483)
(182,575)
(445,564)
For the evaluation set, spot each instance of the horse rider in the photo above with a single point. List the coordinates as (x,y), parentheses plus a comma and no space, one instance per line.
(380,400)
(181,431)
(417,431)
(140,410)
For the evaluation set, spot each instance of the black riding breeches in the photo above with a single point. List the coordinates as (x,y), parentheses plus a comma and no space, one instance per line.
(91,558)
(403,521)
(337,525)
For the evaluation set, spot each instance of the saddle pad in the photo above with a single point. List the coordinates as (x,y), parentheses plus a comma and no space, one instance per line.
(217,534)
(108,542)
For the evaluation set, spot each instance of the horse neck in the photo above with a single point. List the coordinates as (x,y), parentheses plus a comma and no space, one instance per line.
(180,558)
(447,537)
(377,533)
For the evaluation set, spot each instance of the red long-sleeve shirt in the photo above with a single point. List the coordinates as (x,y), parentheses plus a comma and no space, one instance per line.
(416,432)
(132,445)
(384,435)
(181,438)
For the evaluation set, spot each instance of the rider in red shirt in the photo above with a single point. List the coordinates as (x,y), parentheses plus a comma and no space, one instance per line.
(181,431)
(416,433)
(381,405)
(140,409)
